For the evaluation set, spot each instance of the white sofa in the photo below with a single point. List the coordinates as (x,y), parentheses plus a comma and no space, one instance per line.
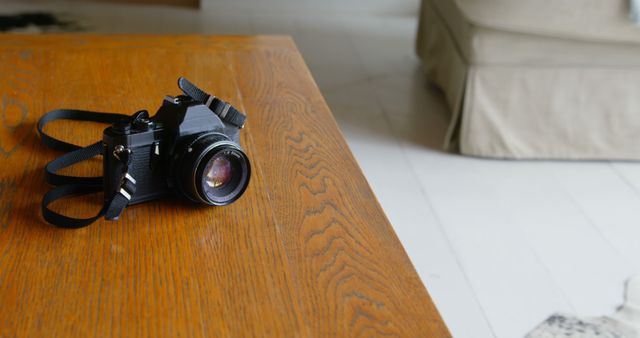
(536,79)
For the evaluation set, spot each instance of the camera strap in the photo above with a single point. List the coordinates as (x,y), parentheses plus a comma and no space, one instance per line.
(224,110)
(65,185)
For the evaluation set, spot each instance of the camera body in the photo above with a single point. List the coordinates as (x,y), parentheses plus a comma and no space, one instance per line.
(185,148)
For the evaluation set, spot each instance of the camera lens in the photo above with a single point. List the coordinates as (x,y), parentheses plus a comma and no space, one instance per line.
(212,170)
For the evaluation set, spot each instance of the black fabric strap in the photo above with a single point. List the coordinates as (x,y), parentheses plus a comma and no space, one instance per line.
(69,159)
(66,191)
(75,186)
(72,114)
(224,110)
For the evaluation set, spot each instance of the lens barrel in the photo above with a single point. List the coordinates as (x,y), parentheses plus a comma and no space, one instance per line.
(211,169)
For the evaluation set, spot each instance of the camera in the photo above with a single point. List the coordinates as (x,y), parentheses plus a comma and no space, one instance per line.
(191,147)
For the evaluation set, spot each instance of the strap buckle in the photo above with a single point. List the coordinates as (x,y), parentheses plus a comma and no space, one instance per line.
(127,186)
(121,199)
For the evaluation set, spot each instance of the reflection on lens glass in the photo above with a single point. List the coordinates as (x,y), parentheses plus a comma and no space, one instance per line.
(218,172)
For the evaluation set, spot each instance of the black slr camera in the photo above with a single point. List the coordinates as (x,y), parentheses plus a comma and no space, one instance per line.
(190,147)
(184,148)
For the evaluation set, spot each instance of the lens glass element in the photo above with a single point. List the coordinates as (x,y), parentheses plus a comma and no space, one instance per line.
(218,172)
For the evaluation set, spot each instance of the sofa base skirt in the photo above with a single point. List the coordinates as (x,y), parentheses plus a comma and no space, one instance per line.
(550,113)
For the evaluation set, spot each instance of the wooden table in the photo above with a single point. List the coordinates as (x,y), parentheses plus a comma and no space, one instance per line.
(306,252)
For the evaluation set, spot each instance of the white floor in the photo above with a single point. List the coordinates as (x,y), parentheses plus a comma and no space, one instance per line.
(500,245)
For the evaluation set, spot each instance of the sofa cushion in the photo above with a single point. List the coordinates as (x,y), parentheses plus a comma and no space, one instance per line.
(593,20)
(489,32)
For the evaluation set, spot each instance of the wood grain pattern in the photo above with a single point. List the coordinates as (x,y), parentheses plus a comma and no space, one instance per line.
(306,252)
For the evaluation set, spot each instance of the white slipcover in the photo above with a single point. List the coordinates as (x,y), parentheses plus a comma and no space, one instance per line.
(536,78)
